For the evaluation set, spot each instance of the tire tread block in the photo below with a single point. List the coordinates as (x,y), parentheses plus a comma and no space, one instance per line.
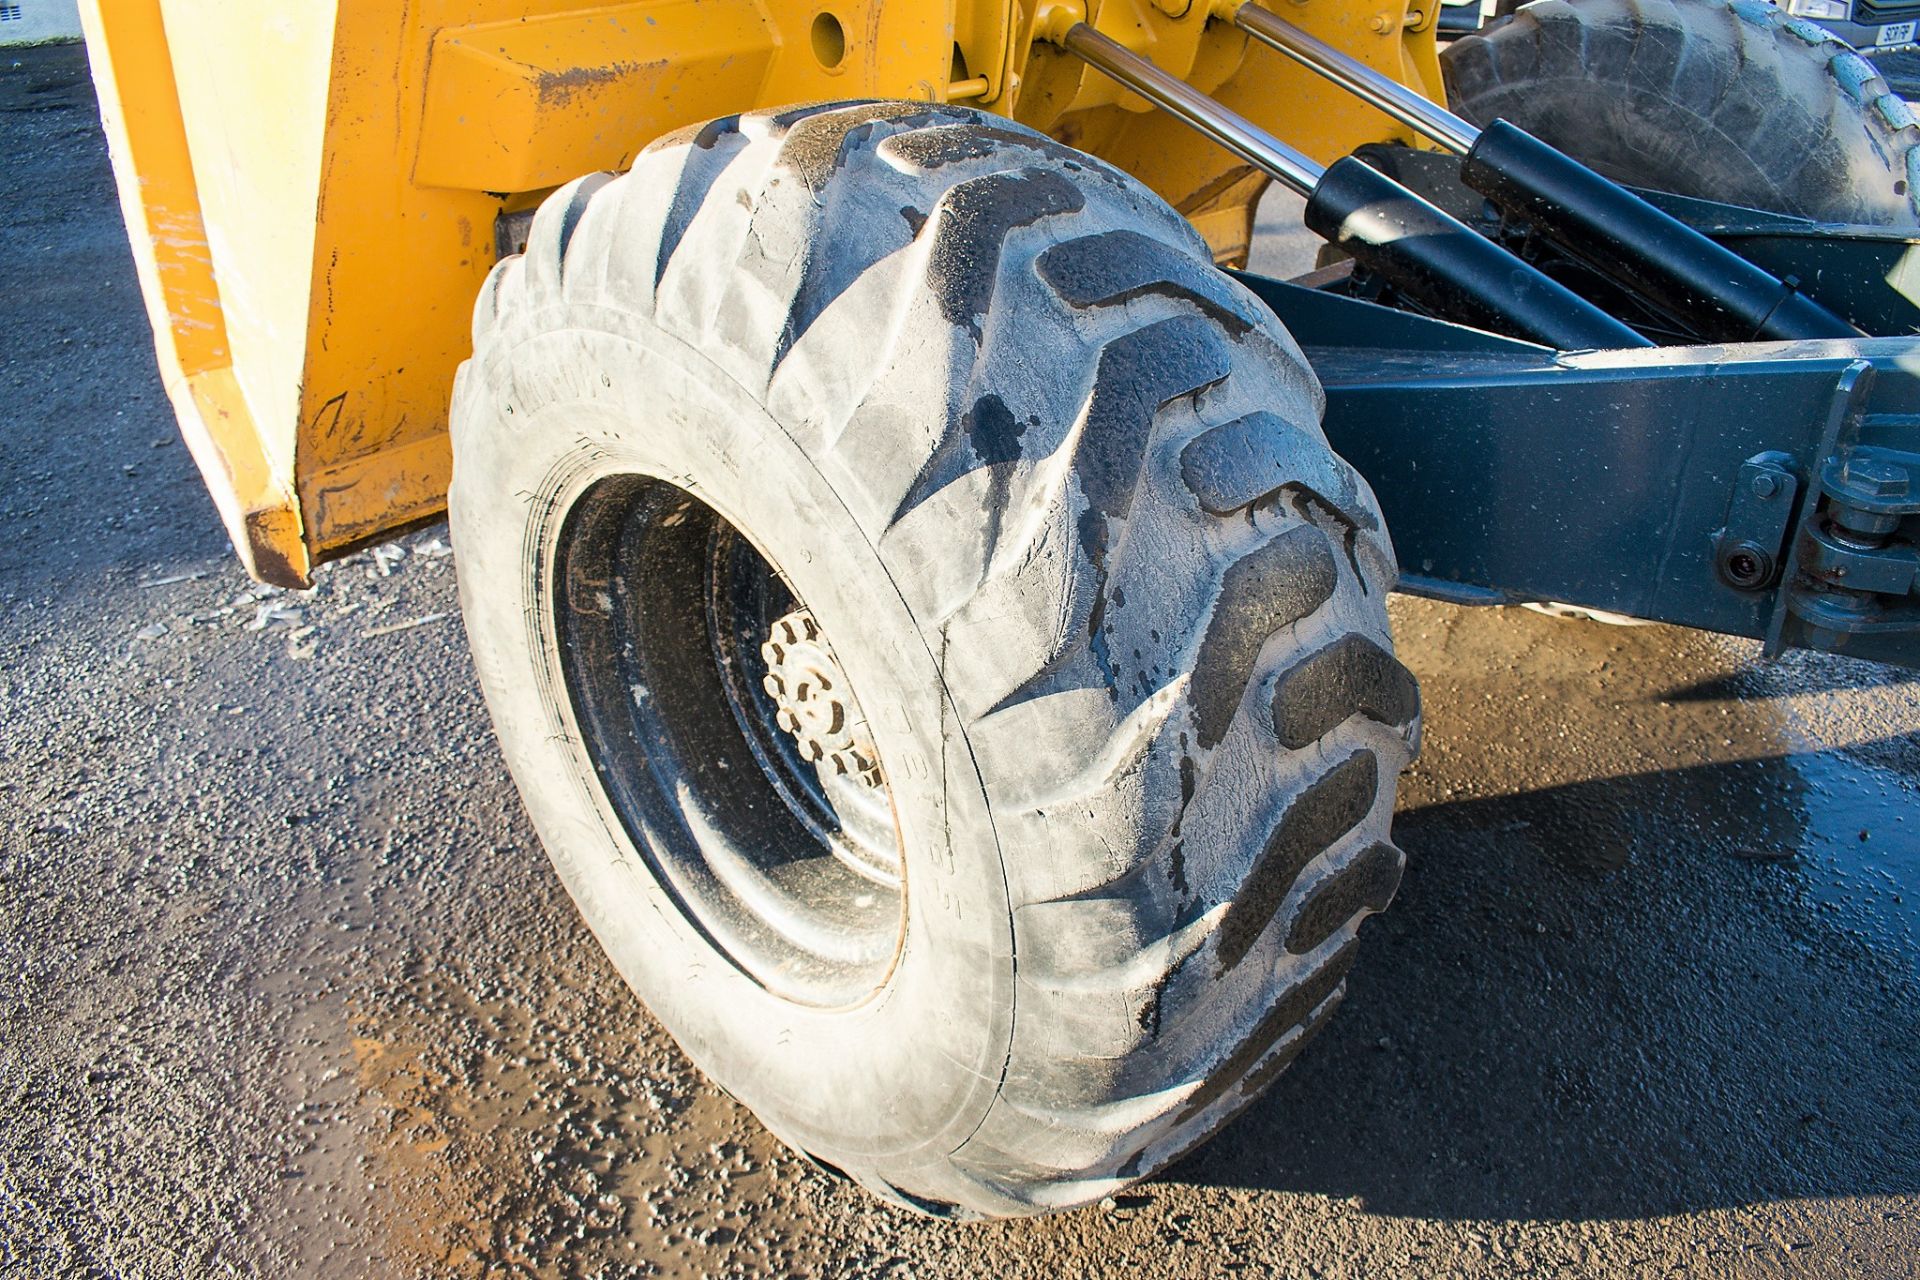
(1332,806)
(1352,676)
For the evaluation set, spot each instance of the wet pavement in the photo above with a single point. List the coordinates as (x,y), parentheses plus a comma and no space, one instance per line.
(286,987)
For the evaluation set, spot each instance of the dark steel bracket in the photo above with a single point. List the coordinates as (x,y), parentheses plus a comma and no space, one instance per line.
(1749,548)
(1856,561)
(1768,490)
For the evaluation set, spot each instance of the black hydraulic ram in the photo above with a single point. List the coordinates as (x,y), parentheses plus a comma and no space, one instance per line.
(1659,259)
(1392,231)
(1705,286)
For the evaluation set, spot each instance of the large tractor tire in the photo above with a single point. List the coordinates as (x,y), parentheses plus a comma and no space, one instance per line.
(933,640)
(1726,100)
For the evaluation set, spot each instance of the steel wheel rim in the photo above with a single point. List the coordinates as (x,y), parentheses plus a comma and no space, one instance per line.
(663,612)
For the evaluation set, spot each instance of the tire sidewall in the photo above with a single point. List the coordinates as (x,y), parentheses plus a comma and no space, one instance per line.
(575,399)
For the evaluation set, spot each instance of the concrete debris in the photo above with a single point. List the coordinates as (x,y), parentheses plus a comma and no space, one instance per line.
(302,642)
(385,557)
(393,627)
(172,578)
(271,614)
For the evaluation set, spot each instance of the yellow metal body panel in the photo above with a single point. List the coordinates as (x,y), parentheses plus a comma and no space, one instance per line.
(1062,96)
(140,109)
(510,104)
(312,188)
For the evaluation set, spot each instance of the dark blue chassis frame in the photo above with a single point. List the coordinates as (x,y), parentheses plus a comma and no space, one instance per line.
(1510,472)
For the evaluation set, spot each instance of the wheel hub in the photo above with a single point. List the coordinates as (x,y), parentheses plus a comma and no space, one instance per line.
(807,686)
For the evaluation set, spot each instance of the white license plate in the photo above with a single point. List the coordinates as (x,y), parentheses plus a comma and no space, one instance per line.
(1896,33)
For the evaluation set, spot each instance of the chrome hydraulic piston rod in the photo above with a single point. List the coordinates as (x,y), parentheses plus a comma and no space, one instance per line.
(1419,113)
(1400,236)
(1176,97)
(1694,280)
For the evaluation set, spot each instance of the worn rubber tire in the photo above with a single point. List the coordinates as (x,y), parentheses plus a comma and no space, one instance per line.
(1727,100)
(1056,490)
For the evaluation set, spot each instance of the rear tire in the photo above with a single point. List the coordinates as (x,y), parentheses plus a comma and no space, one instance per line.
(1726,100)
(1112,614)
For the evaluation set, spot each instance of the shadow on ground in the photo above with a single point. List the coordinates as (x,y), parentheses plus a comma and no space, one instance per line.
(1670,990)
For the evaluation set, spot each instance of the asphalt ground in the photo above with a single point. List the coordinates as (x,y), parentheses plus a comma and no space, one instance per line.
(287,988)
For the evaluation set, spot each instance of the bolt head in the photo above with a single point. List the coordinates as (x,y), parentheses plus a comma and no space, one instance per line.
(1765,484)
(1876,478)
